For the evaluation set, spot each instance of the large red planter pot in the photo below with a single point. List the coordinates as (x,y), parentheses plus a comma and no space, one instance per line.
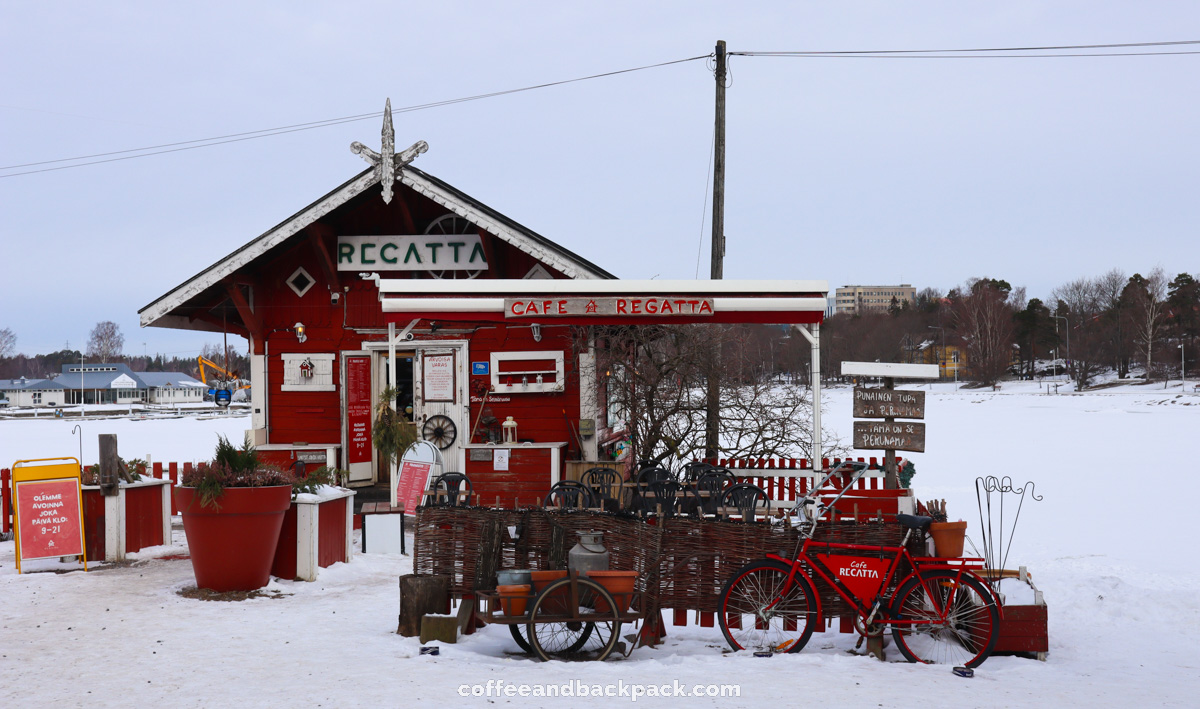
(232,546)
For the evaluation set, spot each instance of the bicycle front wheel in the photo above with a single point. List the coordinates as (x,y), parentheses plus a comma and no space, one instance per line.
(943,618)
(760,610)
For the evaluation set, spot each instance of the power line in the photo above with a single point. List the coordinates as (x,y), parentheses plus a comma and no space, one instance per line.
(267,132)
(1047,48)
(825,55)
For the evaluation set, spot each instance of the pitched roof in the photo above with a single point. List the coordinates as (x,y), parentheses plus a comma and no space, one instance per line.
(167,379)
(102,375)
(24,384)
(483,216)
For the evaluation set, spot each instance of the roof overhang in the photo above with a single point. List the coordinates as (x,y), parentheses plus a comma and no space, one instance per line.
(608,302)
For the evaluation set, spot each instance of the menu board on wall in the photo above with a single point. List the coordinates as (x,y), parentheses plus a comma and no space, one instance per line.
(438,377)
(358,409)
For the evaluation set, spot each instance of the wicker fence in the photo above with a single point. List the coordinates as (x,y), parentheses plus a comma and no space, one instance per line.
(682,562)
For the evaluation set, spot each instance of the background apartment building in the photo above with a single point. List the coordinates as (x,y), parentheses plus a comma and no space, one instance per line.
(866,299)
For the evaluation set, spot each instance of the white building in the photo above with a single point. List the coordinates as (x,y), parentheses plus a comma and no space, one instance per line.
(104,384)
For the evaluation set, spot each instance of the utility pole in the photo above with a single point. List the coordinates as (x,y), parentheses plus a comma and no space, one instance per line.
(718,210)
(712,427)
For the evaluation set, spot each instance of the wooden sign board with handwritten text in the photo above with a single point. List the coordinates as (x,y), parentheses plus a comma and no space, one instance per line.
(885,435)
(888,403)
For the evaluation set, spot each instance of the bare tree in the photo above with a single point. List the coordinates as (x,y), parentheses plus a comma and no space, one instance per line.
(657,388)
(1147,300)
(106,342)
(1112,310)
(1079,302)
(984,320)
(8,342)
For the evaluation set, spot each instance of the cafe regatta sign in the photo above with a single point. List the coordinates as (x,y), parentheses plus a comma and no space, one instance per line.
(451,252)
(623,305)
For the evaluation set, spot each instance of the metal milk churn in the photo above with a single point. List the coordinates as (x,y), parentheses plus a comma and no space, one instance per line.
(589,554)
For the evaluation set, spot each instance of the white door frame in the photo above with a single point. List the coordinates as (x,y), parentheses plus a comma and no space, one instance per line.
(455,457)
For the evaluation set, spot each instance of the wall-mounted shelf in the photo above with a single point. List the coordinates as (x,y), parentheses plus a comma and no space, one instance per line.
(525,381)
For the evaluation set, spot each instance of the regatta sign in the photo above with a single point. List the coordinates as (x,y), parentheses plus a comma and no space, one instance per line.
(608,307)
(429,252)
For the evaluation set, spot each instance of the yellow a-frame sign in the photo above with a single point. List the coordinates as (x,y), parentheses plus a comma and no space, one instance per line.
(48,509)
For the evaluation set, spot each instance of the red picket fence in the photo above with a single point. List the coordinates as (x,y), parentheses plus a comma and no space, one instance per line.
(5,501)
(161,471)
(789,479)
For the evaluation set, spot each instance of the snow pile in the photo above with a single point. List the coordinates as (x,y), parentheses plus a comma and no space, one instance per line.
(1110,547)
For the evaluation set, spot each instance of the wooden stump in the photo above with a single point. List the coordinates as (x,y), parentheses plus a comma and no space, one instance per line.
(421,595)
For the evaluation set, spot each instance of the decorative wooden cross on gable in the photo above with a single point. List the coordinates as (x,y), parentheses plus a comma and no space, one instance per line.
(387,162)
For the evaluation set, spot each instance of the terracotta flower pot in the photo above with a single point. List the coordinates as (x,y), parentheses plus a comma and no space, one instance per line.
(619,584)
(514,598)
(542,579)
(233,543)
(948,538)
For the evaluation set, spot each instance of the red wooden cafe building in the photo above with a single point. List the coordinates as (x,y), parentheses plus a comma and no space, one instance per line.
(396,276)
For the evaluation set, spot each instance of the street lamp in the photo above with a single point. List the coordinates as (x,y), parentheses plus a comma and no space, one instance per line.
(942,359)
(1068,328)
(1182,370)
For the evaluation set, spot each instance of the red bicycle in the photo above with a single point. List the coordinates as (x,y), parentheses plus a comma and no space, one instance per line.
(941,612)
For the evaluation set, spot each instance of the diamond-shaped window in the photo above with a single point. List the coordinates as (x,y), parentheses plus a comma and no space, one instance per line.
(300,281)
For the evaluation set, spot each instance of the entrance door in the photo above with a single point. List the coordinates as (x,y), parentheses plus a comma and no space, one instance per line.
(439,392)
(404,396)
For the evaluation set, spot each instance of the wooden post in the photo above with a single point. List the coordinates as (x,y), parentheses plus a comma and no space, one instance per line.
(114,500)
(891,480)
(109,464)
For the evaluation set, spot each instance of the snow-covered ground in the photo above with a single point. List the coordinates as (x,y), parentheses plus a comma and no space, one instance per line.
(1109,544)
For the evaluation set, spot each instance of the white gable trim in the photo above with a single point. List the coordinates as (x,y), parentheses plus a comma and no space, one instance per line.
(256,248)
(156,314)
(520,241)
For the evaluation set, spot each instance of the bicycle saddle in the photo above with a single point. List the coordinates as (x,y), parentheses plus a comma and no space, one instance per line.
(914,522)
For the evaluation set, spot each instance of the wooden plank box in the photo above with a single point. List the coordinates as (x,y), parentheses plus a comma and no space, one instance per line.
(1024,629)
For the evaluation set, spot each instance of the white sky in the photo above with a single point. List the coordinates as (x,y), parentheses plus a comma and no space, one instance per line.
(920,171)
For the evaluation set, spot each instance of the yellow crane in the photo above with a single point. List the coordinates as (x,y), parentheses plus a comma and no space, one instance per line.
(231,381)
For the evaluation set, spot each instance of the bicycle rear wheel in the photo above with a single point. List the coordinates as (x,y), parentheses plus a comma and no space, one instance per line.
(758,610)
(957,620)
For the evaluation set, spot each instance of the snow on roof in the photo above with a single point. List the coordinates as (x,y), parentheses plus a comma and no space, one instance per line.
(24,384)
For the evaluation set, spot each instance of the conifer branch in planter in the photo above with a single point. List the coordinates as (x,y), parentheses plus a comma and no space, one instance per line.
(232,467)
(391,433)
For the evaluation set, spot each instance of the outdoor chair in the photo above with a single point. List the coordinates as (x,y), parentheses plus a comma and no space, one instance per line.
(569,495)
(447,491)
(605,485)
(710,487)
(693,471)
(664,498)
(645,478)
(747,499)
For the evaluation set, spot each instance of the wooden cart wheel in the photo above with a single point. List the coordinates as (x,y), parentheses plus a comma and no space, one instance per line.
(440,431)
(518,634)
(591,636)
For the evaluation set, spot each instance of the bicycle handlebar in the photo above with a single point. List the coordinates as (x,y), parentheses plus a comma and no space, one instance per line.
(859,469)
